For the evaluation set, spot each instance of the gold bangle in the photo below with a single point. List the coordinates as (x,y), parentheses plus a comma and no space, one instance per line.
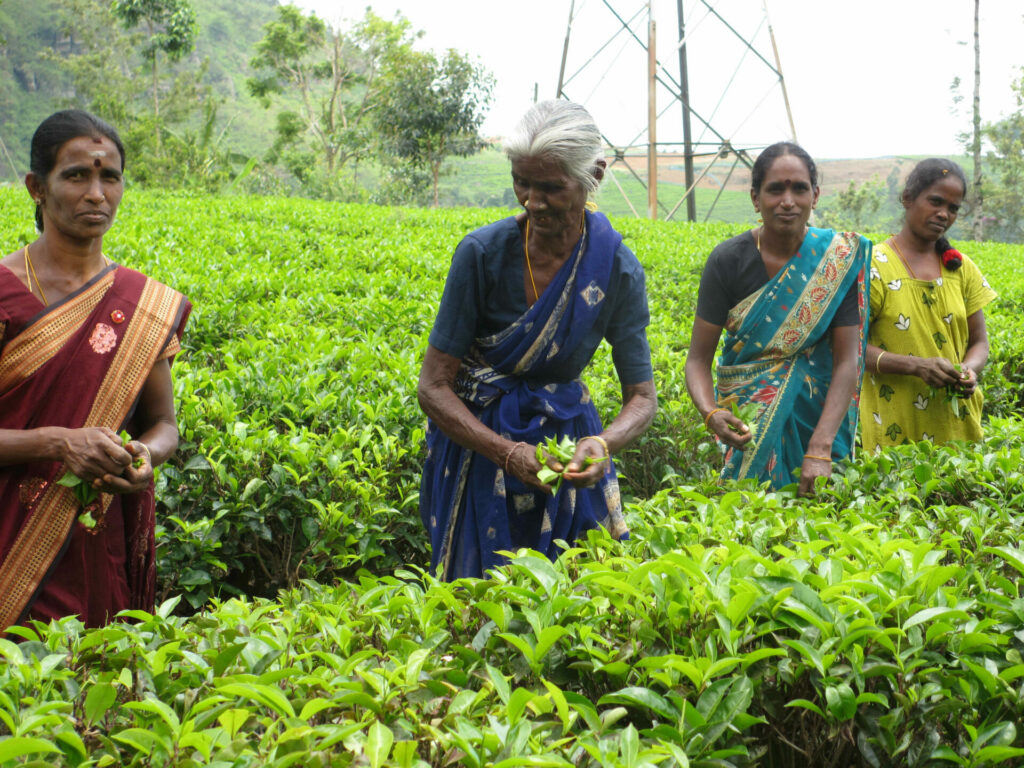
(510,452)
(149,455)
(819,458)
(878,360)
(607,453)
(710,414)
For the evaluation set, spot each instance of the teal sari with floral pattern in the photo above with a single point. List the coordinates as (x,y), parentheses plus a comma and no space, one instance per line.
(778,354)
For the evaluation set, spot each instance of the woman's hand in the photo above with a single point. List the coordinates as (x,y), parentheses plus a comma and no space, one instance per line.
(581,474)
(523,465)
(809,470)
(936,372)
(93,453)
(729,429)
(133,479)
(968,380)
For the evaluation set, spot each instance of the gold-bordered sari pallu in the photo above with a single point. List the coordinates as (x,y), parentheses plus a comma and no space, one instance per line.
(81,362)
(777,354)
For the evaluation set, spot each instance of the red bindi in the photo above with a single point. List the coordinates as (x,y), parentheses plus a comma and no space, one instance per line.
(96,163)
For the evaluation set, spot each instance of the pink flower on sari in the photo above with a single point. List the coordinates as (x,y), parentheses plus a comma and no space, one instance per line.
(103,339)
(765,394)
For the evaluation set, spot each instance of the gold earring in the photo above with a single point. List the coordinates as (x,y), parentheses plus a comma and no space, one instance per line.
(526,202)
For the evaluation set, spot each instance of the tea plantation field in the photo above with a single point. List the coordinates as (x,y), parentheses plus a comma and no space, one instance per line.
(880,624)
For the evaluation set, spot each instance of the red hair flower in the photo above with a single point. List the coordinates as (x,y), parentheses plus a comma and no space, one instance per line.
(952,258)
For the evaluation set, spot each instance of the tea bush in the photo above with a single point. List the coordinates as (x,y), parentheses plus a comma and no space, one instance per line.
(880,624)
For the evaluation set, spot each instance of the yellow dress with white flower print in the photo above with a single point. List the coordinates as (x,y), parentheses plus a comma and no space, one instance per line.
(927,318)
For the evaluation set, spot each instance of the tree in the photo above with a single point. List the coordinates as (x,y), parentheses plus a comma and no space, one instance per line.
(175,143)
(977,198)
(854,206)
(336,77)
(1004,185)
(101,75)
(171,28)
(432,109)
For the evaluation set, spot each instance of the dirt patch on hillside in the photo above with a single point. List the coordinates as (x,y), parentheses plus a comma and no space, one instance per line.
(833,175)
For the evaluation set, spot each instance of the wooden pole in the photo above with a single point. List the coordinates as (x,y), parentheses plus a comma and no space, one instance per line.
(652,119)
(778,68)
(684,99)
(978,203)
(565,50)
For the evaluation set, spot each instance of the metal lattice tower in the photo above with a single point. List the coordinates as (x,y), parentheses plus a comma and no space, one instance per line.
(734,98)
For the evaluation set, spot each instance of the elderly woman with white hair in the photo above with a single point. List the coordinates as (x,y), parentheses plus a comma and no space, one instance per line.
(527,302)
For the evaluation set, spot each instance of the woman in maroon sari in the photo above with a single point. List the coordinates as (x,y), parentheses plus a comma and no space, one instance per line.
(85,351)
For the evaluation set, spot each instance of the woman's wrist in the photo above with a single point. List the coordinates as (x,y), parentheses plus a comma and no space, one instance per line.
(816,448)
(55,443)
(602,442)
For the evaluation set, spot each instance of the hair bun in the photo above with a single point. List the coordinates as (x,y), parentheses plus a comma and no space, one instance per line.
(952,258)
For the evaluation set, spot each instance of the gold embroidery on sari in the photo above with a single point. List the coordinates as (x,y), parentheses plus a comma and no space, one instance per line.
(30,349)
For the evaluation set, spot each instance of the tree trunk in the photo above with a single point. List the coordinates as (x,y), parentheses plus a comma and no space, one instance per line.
(977,199)
(156,92)
(437,173)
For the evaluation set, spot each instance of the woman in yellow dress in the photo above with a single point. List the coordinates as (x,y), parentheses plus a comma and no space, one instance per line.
(926,340)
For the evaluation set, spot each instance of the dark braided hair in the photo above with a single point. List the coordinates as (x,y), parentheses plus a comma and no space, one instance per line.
(926,173)
(771,153)
(56,131)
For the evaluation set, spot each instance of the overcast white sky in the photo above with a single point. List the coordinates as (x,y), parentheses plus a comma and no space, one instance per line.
(865,78)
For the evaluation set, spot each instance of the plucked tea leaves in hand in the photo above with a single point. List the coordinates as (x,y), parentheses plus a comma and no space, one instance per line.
(562,452)
(747,413)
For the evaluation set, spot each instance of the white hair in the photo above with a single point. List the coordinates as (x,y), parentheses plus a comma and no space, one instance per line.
(561,131)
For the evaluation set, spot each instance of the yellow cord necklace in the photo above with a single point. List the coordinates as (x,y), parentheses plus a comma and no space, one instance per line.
(30,275)
(526,250)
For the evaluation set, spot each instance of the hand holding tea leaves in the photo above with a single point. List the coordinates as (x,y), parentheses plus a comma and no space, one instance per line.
(739,422)
(554,456)
(85,491)
(962,389)
(747,413)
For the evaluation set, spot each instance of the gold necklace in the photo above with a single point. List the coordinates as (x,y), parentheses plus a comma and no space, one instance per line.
(526,250)
(906,264)
(29,268)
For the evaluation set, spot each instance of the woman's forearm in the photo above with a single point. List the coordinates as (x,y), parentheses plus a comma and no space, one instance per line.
(837,402)
(639,404)
(699,384)
(840,391)
(24,446)
(878,360)
(161,439)
(440,403)
(976,356)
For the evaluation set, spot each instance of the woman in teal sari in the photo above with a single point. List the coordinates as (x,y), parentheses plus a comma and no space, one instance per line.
(793,302)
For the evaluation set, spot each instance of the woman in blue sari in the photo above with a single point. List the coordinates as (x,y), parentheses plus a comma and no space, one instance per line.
(527,302)
(793,302)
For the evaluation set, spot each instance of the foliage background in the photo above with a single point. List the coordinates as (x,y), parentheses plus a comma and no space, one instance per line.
(880,624)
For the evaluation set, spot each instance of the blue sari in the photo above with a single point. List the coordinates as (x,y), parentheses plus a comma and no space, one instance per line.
(470,507)
(777,354)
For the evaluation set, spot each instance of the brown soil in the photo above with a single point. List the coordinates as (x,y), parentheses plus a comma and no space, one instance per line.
(833,175)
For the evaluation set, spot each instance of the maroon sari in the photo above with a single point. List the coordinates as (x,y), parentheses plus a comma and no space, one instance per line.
(81,362)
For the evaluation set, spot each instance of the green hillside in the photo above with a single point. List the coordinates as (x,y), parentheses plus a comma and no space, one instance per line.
(33,83)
